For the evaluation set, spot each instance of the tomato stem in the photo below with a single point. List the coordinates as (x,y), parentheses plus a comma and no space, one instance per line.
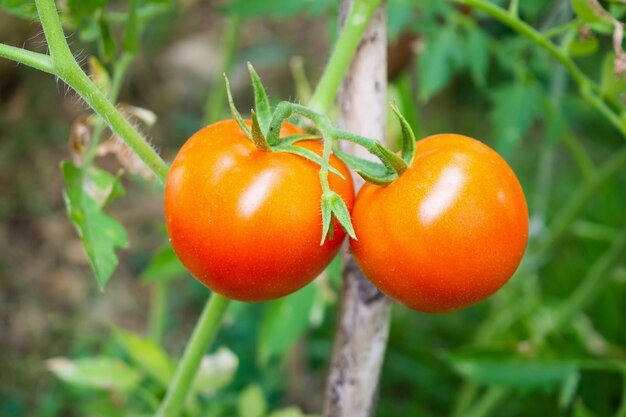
(343,52)
(200,341)
(64,65)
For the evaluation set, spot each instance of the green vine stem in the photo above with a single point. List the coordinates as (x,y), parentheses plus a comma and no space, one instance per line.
(343,52)
(42,62)
(119,71)
(588,88)
(200,341)
(64,65)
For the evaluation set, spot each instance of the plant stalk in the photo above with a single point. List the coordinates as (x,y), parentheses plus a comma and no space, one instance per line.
(198,344)
(355,24)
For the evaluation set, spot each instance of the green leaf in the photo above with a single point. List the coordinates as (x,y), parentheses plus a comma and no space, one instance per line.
(400,16)
(289,412)
(586,12)
(611,85)
(511,371)
(261,102)
(438,62)
(164,266)
(132,29)
(147,354)
(276,334)
(478,55)
(278,8)
(85,8)
(251,402)
(100,234)
(580,47)
(20,8)
(97,373)
(216,371)
(581,411)
(106,43)
(515,107)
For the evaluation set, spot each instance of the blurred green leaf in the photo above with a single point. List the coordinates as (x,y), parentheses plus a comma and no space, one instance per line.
(290,412)
(216,371)
(147,354)
(583,47)
(400,16)
(511,371)
(515,107)
(284,322)
(438,62)
(22,8)
(611,85)
(106,43)
(278,8)
(478,55)
(586,12)
(164,266)
(581,411)
(85,8)
(100,234)
(251,402)
(568,391)
(98,373)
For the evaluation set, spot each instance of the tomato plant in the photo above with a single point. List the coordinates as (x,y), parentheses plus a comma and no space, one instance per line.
(247,223)
(447,233)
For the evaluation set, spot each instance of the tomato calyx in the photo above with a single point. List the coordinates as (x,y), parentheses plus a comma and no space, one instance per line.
(264,132)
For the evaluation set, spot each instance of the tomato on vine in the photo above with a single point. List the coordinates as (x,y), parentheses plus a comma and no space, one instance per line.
(448,232)
(245,222)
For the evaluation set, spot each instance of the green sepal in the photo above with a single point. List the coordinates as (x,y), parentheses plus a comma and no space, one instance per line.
(291,139)
(308,154)
(261,102)
(376,180)
(394,161)
(333,207)
(359,164)
(370,171)
(408,137)
(234,110)
(257,134)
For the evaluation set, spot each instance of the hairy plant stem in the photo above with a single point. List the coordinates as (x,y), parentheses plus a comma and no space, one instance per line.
(357,21)
(42,62)
(64,65)
(198,344)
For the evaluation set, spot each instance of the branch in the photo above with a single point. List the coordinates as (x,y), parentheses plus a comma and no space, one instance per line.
(363,325)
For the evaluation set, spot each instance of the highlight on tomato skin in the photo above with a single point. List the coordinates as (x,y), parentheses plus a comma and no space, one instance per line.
(449,232)
(247,223)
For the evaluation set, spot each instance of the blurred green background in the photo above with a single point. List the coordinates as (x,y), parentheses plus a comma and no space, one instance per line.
(551,343)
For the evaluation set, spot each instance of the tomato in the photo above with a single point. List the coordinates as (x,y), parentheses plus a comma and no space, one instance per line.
(247,223)
(449,232)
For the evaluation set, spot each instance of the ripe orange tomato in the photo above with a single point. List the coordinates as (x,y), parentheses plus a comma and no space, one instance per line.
(247,223)
(449,232)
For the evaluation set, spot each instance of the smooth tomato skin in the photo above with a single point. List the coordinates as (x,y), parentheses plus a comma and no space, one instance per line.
(449,232)
(247,223)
